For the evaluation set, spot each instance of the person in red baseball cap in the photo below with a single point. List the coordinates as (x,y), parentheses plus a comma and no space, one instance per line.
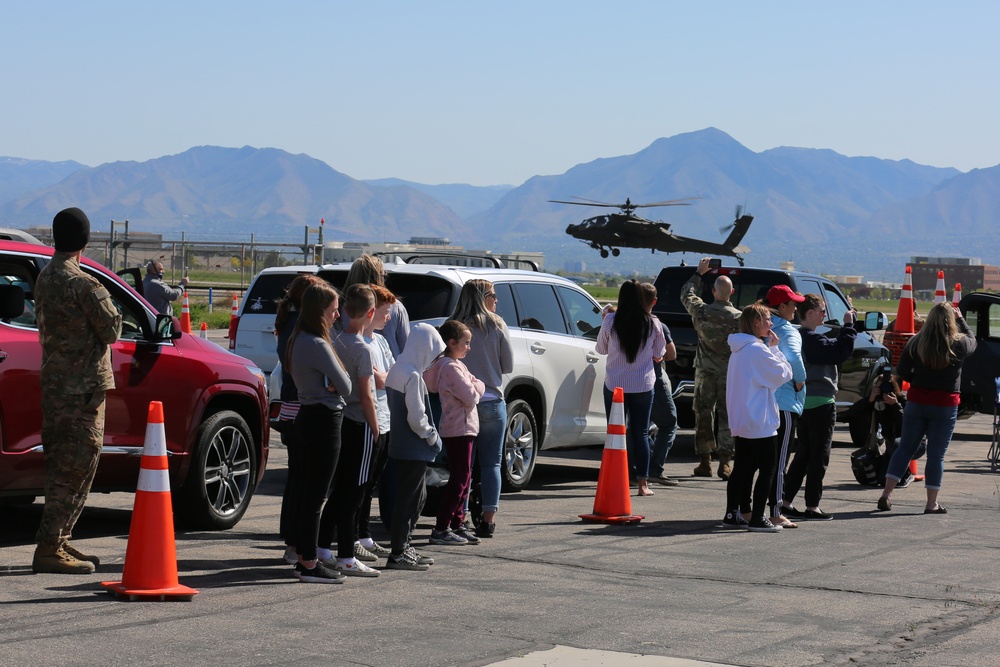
(782,301)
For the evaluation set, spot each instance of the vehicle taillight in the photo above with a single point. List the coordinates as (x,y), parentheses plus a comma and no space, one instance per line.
(234,323)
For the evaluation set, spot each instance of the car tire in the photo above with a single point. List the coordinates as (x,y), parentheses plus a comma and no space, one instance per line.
(222,474)
(520,446)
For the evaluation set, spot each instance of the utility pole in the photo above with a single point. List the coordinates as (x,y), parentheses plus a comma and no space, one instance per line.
(114,242)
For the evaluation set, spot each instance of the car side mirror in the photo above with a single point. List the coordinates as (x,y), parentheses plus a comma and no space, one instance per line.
(168,327)
(875,321)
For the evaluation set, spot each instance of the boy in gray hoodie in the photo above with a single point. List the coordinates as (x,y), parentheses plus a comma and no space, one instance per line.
(415,441)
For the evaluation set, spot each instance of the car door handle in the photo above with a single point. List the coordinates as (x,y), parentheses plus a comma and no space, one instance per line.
(537,348)
(592,358)
(3,357)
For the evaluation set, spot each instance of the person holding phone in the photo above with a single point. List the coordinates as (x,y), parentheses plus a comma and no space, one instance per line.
(713,322)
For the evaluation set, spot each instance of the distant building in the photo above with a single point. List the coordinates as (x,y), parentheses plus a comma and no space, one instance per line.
(970,271)
(575,266)
(449,255)
(787,266)
(847,280)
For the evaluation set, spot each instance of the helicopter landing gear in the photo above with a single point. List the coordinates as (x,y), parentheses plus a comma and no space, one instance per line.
(616,252)
(604,253)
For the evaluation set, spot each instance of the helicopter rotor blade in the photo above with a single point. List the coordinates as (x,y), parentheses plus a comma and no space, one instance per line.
(583,203)
(671,202)
(739,211)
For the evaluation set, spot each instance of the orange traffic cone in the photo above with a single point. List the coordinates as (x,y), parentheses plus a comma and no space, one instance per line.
(939,294)
(186,315)
(204,330)
(957,299)
(151,556)
(913,471)
(903,327)
(612,504)
(904,314)
(234,317)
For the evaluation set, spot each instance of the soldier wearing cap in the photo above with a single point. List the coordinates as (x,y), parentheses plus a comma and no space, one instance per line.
(156,290)
(77,321)
(713,322)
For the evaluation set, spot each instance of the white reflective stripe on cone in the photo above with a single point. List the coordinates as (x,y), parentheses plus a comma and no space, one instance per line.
(155,481)
(156,440)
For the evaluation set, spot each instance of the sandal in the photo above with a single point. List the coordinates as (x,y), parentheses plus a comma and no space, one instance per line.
(938,509)
(884,504)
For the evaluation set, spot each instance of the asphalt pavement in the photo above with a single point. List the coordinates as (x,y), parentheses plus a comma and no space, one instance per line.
(868,588)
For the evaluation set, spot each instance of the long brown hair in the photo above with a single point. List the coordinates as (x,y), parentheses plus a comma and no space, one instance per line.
(316,299)
(292,301)
(932,345)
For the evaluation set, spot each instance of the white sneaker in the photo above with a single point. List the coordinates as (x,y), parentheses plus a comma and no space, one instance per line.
(355,568)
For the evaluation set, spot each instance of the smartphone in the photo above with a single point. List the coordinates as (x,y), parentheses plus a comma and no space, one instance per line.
(715,263)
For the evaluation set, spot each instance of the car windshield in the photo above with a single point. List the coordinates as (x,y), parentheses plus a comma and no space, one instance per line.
(748,286)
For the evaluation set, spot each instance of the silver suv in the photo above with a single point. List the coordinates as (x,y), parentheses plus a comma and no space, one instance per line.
(554,394)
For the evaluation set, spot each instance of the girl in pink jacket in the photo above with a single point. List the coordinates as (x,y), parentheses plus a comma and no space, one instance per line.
(460,392)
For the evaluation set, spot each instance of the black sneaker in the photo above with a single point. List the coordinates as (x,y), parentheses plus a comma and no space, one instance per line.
(734,520)
(405,561)
(816,515)
(762,526)
(790,511)
(485,530)
(318,574)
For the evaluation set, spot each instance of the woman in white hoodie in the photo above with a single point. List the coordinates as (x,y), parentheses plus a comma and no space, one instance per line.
(756,369)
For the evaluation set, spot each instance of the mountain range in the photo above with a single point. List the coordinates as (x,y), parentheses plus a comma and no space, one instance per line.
(825,211)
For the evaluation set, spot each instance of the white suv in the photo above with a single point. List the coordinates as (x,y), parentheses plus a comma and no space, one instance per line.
(554,394)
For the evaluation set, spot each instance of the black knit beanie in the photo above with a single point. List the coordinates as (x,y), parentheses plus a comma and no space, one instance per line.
(70,230)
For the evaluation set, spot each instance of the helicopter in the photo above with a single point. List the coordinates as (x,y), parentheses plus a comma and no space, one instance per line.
(608,233)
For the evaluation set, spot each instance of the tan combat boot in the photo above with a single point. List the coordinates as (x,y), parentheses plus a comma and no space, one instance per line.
(79,555)
(57,561)
(704,468)
(725,465)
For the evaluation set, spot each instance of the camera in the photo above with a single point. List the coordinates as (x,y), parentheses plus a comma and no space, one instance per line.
(886,386)
(715,263)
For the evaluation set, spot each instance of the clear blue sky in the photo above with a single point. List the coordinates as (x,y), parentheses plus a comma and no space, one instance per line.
(496,92)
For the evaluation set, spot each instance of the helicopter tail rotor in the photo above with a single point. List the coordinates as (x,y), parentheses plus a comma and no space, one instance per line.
(739,213)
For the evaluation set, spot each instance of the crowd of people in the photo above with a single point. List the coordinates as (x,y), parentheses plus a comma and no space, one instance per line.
(356,410)
(760,382)
(356,406)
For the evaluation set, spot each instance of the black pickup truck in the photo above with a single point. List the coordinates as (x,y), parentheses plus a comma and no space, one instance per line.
(857,374)
(981,370)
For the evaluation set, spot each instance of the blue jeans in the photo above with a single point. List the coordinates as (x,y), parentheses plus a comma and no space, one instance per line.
(664,415)
(637,406)
(489,447)
(937,422)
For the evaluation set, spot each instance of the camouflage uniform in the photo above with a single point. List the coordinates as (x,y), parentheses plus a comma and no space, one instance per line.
(713,322)
(77,320)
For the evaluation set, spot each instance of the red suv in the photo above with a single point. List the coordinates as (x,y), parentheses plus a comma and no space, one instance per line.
(214,402)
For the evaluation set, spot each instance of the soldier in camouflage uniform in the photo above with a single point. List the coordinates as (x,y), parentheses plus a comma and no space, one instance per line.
(77,320)
(713,322)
